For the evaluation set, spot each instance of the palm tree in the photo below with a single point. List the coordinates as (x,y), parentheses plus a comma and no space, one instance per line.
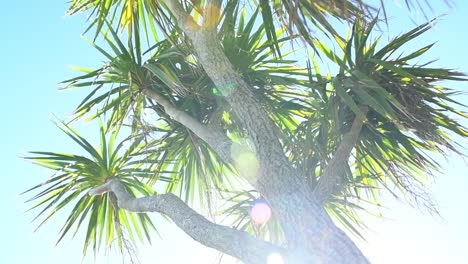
(217,108)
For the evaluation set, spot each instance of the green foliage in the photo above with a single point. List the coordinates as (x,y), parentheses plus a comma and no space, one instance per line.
(409,117)
(410,114)
(76,174)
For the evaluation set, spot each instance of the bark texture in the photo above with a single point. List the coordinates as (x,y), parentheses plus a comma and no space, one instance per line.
(218,141)
(231,241)
(330,180)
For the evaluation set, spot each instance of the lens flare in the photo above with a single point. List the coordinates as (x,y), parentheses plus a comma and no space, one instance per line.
(275,258)
(246,162)
(260,212)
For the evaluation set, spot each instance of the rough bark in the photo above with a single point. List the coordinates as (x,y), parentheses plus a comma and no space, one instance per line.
(231,241)
(330,180)
(310,233)
(217,141)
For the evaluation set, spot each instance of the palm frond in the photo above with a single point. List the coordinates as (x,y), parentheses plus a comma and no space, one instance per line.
(76,174)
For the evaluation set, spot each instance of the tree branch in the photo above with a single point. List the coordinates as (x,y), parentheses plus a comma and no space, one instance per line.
(218,141)
(184,20)
(272,175)
(231,241)
(256,122)
(330,180)
(304,221)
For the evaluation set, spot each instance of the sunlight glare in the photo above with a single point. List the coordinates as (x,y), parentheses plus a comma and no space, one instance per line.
(275,258)
(246,162)
(260,212)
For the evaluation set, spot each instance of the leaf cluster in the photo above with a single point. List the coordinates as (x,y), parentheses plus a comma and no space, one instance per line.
(410,114)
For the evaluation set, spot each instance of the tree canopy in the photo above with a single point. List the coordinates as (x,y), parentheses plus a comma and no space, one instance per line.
(233,101)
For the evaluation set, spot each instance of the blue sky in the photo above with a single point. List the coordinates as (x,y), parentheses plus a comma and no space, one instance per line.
(38,42)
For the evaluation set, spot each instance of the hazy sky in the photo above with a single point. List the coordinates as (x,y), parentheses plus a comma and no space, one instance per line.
(38,42)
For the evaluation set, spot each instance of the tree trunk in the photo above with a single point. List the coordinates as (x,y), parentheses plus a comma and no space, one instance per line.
(311,236)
